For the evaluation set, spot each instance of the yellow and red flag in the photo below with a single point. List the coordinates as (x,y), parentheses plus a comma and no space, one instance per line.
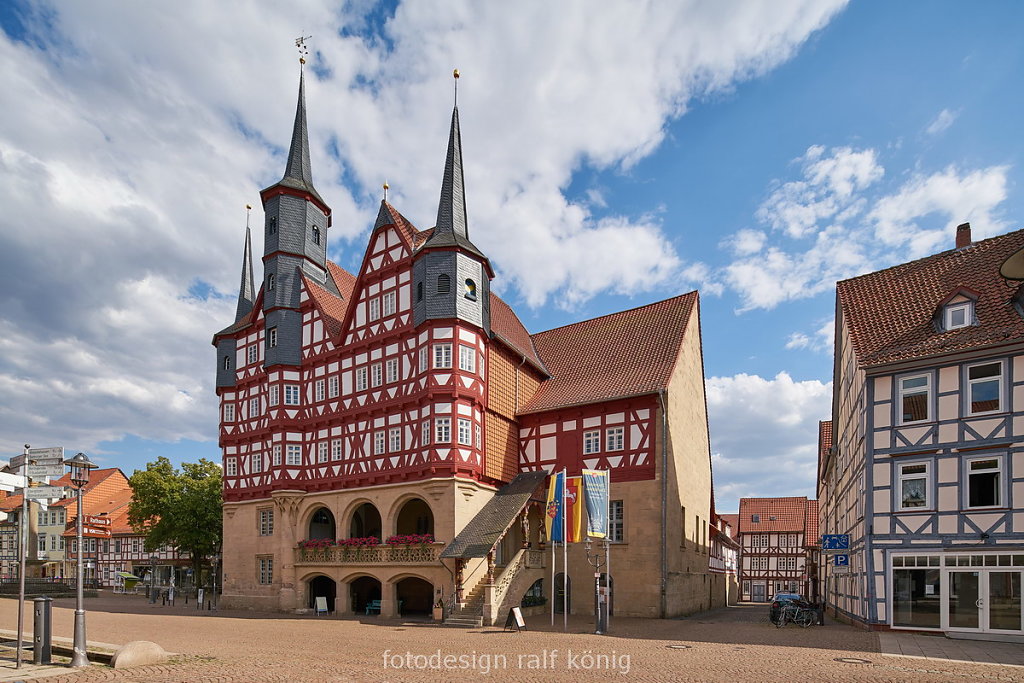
(573,509)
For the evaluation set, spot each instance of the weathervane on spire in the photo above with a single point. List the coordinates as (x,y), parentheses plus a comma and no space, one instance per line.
(386,186)
(455,75)
(248,209)
(300,43)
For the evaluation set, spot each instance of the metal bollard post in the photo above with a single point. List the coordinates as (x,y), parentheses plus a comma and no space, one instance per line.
(41,646)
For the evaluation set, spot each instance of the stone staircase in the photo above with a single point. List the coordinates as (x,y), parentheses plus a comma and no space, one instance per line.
(471,614)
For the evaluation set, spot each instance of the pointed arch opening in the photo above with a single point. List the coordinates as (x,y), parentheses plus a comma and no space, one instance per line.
(365,522)
(415,517)
(321,524)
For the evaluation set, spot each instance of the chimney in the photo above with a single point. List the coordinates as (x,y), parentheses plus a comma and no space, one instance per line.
(963,235)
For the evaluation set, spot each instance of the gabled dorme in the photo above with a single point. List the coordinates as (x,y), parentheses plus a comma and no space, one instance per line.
(958,309)
(295,241)
(451,277)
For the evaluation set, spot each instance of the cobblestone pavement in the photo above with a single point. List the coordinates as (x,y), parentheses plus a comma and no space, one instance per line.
(732,644)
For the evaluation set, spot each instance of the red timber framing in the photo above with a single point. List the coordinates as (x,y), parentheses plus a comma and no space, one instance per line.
(560,438)
(374,401)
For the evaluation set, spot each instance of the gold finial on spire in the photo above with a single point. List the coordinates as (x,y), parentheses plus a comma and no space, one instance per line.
(248,208)
(300,43)
(455,75)
(386,186)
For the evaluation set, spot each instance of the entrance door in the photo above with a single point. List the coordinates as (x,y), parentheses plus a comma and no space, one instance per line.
(757,594)
(985,601)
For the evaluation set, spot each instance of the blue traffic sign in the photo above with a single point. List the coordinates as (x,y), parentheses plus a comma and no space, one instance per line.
(842,560)
(835,541)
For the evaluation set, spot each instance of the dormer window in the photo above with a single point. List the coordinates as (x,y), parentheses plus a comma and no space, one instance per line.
(755,518)
(957,315)
(316,234)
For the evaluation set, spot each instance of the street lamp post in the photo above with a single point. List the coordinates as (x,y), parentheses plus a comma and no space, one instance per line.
(601,606)
(79,476)
(216,563)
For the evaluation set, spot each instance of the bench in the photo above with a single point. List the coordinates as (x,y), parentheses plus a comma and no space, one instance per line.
(374,607)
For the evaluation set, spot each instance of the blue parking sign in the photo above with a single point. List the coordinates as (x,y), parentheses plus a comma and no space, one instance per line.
(842,560)
(835,541)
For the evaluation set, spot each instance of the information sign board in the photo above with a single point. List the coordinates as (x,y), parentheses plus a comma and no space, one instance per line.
(43,492)
(44,471)
(835,542)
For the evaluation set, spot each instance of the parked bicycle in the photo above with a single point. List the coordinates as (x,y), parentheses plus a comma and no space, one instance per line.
(802,615)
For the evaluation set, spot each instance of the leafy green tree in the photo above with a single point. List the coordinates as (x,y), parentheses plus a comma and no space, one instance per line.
(178,508)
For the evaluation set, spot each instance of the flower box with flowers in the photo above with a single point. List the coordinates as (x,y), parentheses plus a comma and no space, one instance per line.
(410,539)
(316,548)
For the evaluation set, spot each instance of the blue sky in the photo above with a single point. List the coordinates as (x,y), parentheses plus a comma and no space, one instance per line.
(756,151)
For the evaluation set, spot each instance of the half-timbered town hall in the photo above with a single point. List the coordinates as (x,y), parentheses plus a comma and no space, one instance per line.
(387,434)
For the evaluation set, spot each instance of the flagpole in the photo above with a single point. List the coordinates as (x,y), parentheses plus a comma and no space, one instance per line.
(608,556)
(565,561)
(551,540)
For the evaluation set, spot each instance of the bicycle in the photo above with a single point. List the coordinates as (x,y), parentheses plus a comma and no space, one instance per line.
(798,614)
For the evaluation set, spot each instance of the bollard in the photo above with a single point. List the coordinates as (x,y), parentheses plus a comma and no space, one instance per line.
(41,649)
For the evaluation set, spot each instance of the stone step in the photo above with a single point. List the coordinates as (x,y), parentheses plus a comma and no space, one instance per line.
(464,622)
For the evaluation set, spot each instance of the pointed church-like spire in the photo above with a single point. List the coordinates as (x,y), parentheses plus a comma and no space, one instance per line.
(452,227)
(246,290)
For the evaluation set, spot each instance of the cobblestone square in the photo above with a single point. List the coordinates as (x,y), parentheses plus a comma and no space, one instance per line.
(729,644)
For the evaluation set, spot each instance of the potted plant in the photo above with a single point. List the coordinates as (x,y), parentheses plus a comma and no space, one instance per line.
(438,610)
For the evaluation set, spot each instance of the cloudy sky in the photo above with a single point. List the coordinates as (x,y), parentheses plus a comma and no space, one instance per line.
(616,154)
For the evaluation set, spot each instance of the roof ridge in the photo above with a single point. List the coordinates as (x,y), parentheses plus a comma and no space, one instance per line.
(936,256)
(623,311)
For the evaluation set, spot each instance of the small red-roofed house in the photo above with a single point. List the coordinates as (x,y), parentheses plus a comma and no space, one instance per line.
(409,400)
(924,470)
(776,536)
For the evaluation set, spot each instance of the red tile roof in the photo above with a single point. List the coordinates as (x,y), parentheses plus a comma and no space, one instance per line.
(629,353)
(344,280)
(733,520)
(507,327)
(791,514)
(332,308)
(890,312)
(824,436)
(811,532)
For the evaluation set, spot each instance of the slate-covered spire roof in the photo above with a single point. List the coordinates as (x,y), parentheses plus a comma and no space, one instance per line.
(298,173)
(246,290)
(452,229)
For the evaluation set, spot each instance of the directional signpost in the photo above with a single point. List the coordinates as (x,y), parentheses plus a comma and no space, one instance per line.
(39,472)
(44,492)
(841,563)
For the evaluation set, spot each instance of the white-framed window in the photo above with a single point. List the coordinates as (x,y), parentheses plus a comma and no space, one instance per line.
(425,433)
(265,569)
(958,315)
(374,305)
(443,355)
(254,353)
(272,337)
(255,463)
(984,481)
(613,438)
(319,389)
(476,436)
(271,281)
(231,467)
(332,386)
(592,441)
(376,375)
(759,563)
(391,370)
(227,363)
(321,451)
(423,358)
(913,485)
(467,358)
(266,521)
(293,455)
(275,394)
(759,541)
(291,394)
(616,521)
(229,412)
(915,399)
(984,388)
(394,439)
(388,303)
(442,429)
(787,564)
(336,452)
(361,379)
(465,431)
(276,454)
(254,407)
(379,443)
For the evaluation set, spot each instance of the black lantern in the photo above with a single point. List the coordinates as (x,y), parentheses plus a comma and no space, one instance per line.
(80,466)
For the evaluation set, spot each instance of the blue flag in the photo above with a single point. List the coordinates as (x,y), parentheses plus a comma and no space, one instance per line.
(595,492)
